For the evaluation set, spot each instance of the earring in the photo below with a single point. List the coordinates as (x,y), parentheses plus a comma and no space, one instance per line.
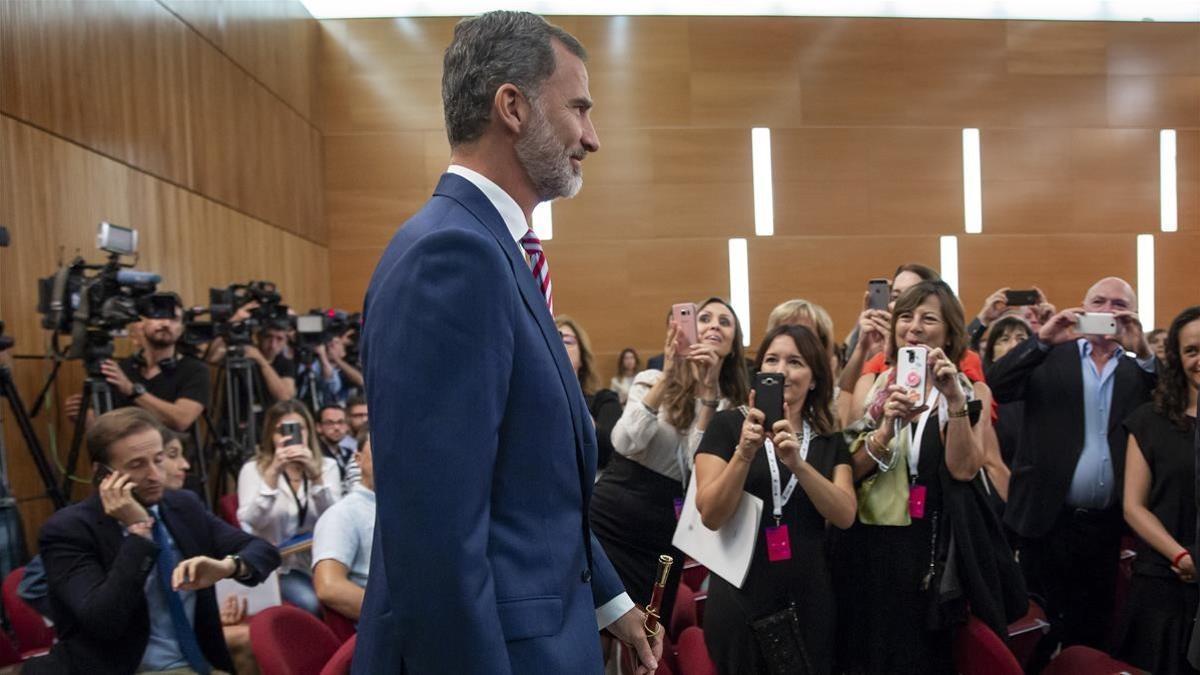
(812,387)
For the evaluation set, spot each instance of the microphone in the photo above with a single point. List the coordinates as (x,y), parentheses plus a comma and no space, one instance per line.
(137,278)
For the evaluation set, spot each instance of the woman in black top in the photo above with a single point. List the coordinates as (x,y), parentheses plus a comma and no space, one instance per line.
(603,404)
(814,486)
(1160,505)
(1002,336)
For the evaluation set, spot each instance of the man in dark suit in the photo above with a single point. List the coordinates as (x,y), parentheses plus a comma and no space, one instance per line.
(484,451)
(1065,494)
(131,568)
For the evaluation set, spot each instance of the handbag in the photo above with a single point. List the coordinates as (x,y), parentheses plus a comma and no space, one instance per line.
(780,642)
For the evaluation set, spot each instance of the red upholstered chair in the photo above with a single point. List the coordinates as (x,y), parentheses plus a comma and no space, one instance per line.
(228,505)
(342,626)
(1025,633)
(979,651)
(8,651)
(340,663)
(1080,660)
(693,654)
(289,641)
(33,636)
(684,614)
(694,574)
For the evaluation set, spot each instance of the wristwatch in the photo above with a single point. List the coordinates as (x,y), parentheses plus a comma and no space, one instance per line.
(138,390)
(239,568)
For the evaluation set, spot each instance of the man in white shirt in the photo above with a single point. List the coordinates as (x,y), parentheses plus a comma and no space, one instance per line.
(342,541)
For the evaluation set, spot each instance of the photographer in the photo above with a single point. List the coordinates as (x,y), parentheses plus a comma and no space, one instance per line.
(276,372)
(131,569)
(172,386)
(333,376)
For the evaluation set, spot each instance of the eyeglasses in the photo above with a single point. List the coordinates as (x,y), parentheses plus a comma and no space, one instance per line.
(332,423)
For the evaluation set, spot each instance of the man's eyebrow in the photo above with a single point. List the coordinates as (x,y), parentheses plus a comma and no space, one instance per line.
(581,102)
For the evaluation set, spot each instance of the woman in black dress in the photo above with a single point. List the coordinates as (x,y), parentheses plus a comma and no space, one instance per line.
(1160,506)
(814,486)
(886,561)
(603,404)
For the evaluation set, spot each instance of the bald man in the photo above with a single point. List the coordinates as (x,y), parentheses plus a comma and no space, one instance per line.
(1065,495)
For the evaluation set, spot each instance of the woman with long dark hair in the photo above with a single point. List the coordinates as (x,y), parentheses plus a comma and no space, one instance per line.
(635,504)
(811,459)
(603,404)
(628,366)
(1160,506)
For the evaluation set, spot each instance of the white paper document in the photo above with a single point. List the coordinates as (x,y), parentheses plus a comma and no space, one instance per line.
(257,597)
(726,552)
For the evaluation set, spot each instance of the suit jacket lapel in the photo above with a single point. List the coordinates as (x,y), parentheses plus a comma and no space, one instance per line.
(465,193)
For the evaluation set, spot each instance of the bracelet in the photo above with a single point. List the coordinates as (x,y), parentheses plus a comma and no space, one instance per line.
(966,410)
(709,403)
(1179,557)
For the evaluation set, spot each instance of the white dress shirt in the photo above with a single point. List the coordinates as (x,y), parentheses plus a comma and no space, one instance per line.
(514,219)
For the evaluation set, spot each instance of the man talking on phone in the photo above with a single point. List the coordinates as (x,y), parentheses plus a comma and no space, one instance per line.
(1064,500)
(483,447)
(131,569)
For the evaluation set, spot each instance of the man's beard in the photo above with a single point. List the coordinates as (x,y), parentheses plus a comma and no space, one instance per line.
(547,160)
(160,339)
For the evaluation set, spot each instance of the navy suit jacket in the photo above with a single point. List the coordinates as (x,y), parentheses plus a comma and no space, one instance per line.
(484,457)
(97,578)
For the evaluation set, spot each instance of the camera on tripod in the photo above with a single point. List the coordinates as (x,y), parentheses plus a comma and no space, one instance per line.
(320,326)
(223,304)
(89,302)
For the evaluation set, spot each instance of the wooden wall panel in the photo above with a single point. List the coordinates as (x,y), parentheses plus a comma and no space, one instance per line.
(866,118)
(134,82)
(273,40)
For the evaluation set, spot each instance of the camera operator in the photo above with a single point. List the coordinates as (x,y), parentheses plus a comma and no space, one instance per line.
(276,372)
(158,378)
(335,379)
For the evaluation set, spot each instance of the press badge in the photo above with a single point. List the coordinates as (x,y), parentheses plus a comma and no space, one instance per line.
(779,546)
(916,501)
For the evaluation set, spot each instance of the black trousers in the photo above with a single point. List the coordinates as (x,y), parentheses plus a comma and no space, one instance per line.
(1074,569)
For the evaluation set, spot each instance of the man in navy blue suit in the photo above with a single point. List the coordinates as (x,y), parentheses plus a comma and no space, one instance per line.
(484,450)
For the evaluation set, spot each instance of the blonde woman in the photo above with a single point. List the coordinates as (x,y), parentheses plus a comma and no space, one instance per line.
(282,492)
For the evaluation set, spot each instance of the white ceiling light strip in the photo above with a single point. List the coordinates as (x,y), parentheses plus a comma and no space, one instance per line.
(950,262)
(972,183)
(1168,197)
(739,285)
(764,195)
(1145,280)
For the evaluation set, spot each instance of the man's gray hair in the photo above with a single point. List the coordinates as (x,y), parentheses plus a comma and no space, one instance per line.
(488,51)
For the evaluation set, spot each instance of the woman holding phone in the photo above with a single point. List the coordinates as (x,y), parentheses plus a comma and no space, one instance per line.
(284,489)
(911,456)
(1160,506)
(800,468)
(636,501)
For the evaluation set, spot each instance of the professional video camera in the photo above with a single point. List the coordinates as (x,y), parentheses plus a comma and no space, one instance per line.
(91,301)
(320,326)
(224,303)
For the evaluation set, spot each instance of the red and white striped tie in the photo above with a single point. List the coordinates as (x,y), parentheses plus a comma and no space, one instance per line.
(541,269)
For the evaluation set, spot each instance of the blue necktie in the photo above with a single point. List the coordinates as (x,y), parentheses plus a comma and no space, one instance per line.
(184,635)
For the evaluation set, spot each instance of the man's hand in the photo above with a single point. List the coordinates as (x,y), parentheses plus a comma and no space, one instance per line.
(1131,336)
(233,610)
(201,572)
(629,630)
(1060,328)
(254,354)
(116,494)
(117,377)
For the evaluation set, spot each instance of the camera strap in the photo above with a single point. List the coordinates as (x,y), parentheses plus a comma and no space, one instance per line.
(301,506)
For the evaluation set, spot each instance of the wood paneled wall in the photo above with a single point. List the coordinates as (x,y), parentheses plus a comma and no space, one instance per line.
(866,118)
(198,133)
(135,82)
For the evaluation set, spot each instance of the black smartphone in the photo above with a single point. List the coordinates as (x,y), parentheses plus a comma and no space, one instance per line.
(768,397)
(100,474)
(879,294)
(291,430)
(1021,298)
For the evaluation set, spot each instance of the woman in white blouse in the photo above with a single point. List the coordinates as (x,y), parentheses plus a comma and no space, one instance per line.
(637,500)
(282,492)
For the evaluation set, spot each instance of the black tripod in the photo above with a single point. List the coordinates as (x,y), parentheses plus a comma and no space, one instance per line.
(8,390)
(97,397)
(233,439)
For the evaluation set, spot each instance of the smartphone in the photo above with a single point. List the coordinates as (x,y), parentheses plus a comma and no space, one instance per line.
(768,397)
(1095,323)
(100,474)
(291,430)
(879,294)
(684,315)
(911,370)
(1021,298)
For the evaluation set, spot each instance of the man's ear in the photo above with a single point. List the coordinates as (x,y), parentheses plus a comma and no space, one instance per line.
(511,107)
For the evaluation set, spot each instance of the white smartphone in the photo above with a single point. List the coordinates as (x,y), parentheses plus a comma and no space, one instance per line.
(911,370)
(1094,323)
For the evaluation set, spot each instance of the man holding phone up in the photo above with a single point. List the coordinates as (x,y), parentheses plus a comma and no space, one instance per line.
(1064,499)
(131,569)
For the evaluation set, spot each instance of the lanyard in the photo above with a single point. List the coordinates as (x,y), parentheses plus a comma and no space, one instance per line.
(778,498)
(914,445)
(301,507)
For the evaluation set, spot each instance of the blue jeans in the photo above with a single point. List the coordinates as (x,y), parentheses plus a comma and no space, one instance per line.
(296,587)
